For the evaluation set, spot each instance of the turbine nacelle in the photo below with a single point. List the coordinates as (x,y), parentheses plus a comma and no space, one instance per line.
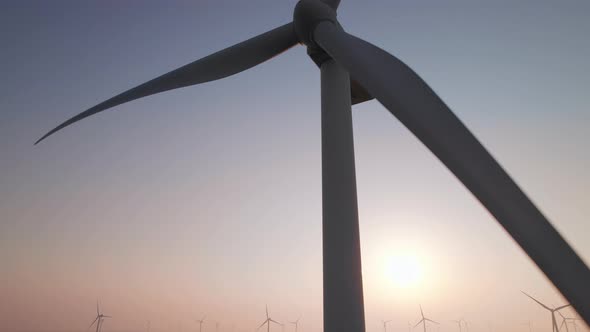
(307,15)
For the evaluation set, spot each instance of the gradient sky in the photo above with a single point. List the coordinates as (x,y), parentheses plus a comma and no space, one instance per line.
(207,200)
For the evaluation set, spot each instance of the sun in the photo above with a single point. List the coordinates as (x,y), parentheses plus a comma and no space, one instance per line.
(404,270)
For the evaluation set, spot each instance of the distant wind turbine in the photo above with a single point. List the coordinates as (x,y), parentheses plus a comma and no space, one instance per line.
(201,321)
(296,323)
(268,321)
(99,318)
(566,320)
(466,325)
(459,323)
(530,325)
(424,320)
(385,324)
(553,320)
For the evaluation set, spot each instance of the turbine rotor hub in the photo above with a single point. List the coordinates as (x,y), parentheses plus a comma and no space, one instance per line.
(308,14)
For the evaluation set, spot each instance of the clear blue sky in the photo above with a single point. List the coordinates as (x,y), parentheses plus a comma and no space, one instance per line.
(207,200)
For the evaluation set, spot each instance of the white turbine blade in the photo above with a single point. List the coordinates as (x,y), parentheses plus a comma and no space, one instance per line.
(430,320)
(94,321)
(261,325)
(416,105)
(541,304)
(274,321)
(563,306)
(421,312)
(419,322)
(224,63)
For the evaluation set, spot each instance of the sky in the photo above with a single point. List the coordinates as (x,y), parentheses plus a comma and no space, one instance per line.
(207,200)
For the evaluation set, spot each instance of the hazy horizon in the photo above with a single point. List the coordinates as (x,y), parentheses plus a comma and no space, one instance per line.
(207,200)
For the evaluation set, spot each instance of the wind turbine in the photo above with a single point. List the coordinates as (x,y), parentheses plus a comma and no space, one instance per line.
(385,324)
(566,320)
(99,318)
(424,320)
(353,71)
(268,321)
(563,322)
(530,325)
(200,321)
(460,323)
(296,323)
(552,310)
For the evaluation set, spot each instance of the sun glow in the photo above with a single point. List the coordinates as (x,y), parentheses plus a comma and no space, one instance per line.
(404,271)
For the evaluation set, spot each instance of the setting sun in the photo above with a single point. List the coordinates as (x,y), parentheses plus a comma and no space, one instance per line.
(404,271)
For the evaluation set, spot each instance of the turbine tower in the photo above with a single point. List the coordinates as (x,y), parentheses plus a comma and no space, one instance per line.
(424,320)
(353,71)
(99,318)
(552,310)
(200,321)
(296,323)
(268,321)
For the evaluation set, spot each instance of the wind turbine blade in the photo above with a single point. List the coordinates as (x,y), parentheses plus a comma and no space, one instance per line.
(416,105)
(103,316)
(419,322)
(97,310)
(563,306)
(261,325)
(94,321)
(430,320)
(224,63)
(421,312)
(267,318)
(544,306)
(274,321)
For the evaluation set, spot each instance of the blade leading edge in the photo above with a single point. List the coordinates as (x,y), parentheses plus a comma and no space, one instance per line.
(224,63)
(414,103)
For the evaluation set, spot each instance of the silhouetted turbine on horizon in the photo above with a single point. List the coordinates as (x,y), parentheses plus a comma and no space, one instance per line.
(296,323)
(99,318)
(353,71)
(200,321)
(385,324)
(568,319)
(268,321)
(552,310)
(424,320)
(460,323)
